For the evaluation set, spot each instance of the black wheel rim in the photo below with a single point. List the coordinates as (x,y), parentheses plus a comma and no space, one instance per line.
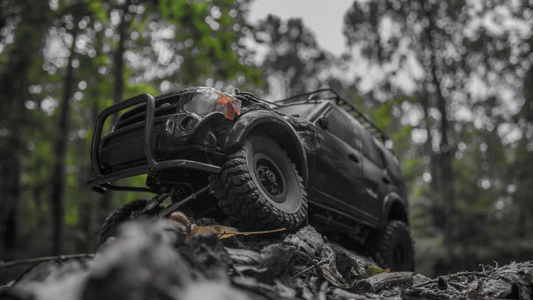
(273,174)
(270,178)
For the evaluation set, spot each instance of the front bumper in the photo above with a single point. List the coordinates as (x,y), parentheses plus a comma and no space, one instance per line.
(102,178)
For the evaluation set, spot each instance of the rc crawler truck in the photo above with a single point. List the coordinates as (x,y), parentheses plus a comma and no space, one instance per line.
(257,164)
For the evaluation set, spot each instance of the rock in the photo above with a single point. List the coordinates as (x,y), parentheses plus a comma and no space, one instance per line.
(306,239)
(208,255)
(151,260)
(382,281)
(141,263)
(420,279)
(52,280)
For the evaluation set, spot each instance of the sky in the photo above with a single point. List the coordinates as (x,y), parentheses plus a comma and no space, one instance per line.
(324,18)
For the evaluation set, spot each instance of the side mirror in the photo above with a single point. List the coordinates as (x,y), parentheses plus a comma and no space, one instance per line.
(386,178)
(323,122)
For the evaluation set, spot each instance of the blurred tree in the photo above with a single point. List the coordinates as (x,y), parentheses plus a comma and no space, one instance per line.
(115,49)
(58,180)
(292,61)
(182,44)
(205,46)
(520,187)
(169,45)
(462,71)
(22,25)
(122,27)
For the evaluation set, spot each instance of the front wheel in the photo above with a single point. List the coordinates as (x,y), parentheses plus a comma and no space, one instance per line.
(260,188)
(395,246)
(124,213)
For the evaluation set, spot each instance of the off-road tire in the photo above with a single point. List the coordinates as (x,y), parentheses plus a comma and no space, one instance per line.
(394,247)
(252,202)
(121,214)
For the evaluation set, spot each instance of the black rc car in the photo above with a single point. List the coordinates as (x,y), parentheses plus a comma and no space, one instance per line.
(258,164)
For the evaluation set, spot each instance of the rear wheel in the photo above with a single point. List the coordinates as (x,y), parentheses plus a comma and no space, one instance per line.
(124,213)
(260,188)
(395,246)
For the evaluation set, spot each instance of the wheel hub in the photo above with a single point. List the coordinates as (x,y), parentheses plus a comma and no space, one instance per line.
(269,178)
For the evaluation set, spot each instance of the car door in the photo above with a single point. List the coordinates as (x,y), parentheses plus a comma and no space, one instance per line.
(376,181)
(337,174)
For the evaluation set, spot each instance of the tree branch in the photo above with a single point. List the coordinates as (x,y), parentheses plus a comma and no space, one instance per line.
(41,259)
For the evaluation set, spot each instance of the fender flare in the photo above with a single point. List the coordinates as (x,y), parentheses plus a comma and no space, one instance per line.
(274,126)
(394,208)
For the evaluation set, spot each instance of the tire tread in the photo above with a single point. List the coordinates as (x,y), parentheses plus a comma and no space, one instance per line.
(118,216)
(239,198)
(386,240)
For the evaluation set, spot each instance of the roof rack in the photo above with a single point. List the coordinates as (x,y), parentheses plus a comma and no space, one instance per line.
(370,126)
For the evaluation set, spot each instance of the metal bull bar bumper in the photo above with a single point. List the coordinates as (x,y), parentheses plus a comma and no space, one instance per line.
(100,182)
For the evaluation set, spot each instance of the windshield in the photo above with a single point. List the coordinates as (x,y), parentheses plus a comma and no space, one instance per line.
(299,110)
(207,100)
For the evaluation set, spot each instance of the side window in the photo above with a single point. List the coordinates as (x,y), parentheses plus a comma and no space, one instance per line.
(382,157)
(391,164)
(370,149)
(342,127)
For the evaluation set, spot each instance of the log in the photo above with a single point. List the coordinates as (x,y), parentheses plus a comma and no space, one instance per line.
(42,259)
(377,283)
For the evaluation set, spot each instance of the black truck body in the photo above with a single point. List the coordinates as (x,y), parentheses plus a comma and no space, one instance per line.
(339,165)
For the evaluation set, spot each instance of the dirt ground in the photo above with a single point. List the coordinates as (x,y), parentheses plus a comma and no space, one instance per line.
(157,260)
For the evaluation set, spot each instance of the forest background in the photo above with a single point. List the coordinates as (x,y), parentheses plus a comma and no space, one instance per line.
(449,81)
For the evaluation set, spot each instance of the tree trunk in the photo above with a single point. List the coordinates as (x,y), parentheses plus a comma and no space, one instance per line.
(445,167)
(84,243)
(428,146)
(60,152)
(445,151)
(23,52)
(11,178)
(118,91)
(118,62)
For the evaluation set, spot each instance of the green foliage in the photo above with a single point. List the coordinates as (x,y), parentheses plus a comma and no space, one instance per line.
(294,63)
(204,45)
(209,46)
(96,10)
(469,162)
(34,63)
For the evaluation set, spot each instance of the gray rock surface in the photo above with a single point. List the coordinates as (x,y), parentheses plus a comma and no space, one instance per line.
(150,260)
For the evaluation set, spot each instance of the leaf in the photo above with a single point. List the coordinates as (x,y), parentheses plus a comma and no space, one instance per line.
(232,105)
(371,271)
(223,231)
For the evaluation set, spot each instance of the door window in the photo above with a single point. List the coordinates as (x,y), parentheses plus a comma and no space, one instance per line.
(370,149)
(342,126)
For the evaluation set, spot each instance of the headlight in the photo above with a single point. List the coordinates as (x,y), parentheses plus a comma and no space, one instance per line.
(207,100)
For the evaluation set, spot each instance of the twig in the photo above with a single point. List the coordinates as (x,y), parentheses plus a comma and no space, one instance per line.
(315,265)
(377,283)
(483,267)
(466,274)
(311,260)
(431,281)
(41,259)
